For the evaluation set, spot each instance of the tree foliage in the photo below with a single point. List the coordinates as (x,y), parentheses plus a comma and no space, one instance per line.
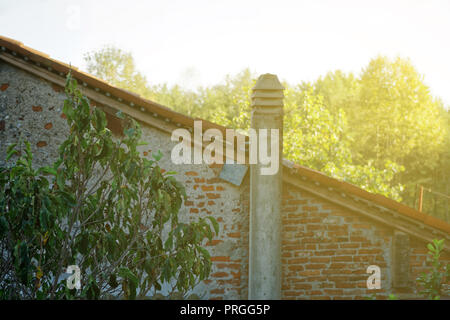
(393,117)
(381,129)
(102,207)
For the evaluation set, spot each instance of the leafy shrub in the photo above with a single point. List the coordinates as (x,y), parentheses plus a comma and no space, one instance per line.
(100,206)
(432,282)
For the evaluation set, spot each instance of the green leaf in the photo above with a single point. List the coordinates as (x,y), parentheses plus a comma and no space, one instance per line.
(113,281)
(120,115)
(100,119)
(10,151)
(158,155)
(68,109)
(129,132)
(47,170)
(127,274)
(43,218)
(214,223)
(3,226)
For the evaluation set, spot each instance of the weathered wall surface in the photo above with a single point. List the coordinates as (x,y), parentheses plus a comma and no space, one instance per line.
(30,109)
(326,248)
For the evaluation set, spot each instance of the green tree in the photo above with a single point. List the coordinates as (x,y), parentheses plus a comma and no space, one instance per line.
(102,207)
(118,68)
(228,103)
(393,117)
(315,138)
(381,129)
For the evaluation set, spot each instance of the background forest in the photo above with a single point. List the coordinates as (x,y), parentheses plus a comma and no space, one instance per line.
(381,129)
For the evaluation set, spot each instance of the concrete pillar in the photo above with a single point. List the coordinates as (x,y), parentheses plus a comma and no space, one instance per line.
(265,196)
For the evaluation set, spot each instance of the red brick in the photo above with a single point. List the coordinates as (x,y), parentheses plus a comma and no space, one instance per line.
(191,173)
(315,292)
(217,291)
(320,259)
(328,246)
(234,234)
(333,292)
(297,202)
(324,253)
(315,266)
(346,252)
(199,180)
(337,227)
(220,275)
(48,126)
(207,188)
(349,245)
(41,144)
(298,260)
(57,88)
(343,258)
(296,268)
(213,242)
(303,286)
(4,86)
(37,108)
(213,195)
(2,125)
(220,258)
(309,273)
(361,226)
(357,239)
(370,251)
(236,266)
(345,285)
(193,210)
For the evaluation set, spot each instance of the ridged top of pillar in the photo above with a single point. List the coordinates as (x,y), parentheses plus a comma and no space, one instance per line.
(268,91)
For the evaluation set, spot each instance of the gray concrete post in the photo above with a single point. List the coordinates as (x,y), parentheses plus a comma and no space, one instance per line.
(265,195)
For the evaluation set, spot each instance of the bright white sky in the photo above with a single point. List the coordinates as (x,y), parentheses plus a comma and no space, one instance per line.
(195,42)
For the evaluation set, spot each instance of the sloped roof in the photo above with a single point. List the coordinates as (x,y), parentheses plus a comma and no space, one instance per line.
(14,52)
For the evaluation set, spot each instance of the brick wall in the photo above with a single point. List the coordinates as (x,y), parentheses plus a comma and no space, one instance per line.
(327,249)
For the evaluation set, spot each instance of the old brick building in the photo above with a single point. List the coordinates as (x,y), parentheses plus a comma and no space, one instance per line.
(331,231)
